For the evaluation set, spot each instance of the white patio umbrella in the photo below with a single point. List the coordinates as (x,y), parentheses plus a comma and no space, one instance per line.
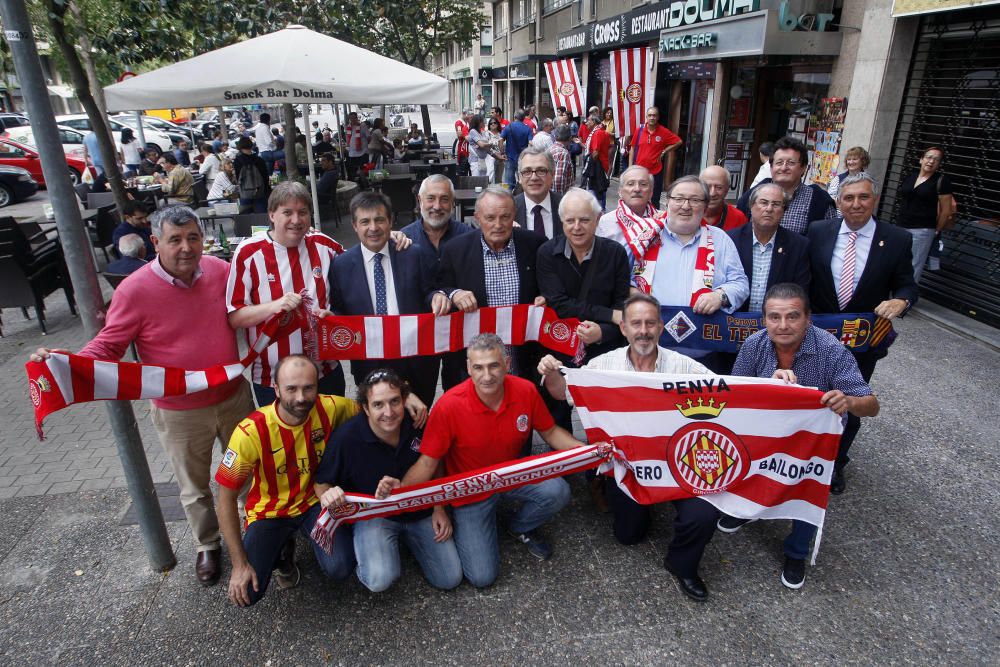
(291,66)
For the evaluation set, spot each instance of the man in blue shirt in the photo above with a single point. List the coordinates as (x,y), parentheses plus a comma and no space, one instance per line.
(92,151)
(133,256)
(684,272)
(793,350)
(136,222)
(516,138)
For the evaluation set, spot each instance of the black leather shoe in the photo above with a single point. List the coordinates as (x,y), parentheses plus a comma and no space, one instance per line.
(838,484)
(693,587)
(207,567)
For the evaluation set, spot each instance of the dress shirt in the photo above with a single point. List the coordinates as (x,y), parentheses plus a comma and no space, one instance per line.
(675,266)
(862,246)
(162,274)
(263,136)
(529,214)
(762,254)
(392,306)
(502,281)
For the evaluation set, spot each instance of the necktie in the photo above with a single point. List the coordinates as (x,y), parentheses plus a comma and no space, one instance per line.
(846,290)
(539,224)
(381,303)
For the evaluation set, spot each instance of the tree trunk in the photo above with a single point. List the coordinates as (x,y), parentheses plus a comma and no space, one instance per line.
(98,120)
(291,168)
(425,115)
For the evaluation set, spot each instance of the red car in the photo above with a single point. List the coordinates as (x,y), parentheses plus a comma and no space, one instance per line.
(19,155)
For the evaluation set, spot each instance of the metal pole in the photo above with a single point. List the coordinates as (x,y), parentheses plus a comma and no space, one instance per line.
(138,128)
(312,170)
(76,246)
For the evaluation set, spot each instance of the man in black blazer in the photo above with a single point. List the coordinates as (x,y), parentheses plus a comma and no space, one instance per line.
(537,207)
(879,280)
(770,253)
(495,267)
(373,278)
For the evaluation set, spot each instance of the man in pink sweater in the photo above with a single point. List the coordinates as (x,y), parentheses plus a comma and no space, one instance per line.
(174,310)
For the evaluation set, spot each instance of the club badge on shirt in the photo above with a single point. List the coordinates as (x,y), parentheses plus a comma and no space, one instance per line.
(415,444)
(522,423)
(317,435)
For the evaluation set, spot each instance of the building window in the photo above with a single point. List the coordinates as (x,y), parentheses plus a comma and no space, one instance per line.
(526,13)
(549,6)
(500,20)
(486,41)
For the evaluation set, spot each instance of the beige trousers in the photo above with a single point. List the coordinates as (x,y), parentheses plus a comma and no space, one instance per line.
(188,437)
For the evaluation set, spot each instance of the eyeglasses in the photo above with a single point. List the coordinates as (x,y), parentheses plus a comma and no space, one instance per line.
(690,201)
(542,171)
(784,163)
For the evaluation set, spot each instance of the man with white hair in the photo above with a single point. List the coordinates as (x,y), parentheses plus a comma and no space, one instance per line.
(133,250)
(634,211)
(543,139)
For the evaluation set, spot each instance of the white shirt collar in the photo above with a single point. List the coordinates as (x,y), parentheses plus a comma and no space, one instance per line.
(368,254)
(546,203)
(868,230)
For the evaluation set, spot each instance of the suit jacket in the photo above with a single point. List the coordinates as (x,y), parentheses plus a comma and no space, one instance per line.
(349,295)
(888,272)
(561,284)
(521,209)
(461,267)
(789,258)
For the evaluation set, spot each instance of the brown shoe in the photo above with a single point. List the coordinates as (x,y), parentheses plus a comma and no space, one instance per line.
(596,487)
(207,567)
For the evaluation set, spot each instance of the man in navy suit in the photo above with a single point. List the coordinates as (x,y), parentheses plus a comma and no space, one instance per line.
(372,278)
(770,253)
(495,267)
(537,208)
(859,266)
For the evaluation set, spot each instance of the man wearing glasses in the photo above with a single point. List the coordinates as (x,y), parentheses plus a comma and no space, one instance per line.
(537,208)
(692,265)
(789,162)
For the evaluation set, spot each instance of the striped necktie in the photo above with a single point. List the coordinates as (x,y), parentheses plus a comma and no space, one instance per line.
(846,290)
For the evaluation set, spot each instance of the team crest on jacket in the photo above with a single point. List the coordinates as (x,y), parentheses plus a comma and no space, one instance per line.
(522,423)
(707,458)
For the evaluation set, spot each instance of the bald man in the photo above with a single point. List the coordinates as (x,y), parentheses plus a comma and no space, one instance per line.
(718,213)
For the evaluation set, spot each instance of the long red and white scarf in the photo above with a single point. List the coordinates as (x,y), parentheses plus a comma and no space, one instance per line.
(467,487)
(64,379)
(704,267)
(640,231)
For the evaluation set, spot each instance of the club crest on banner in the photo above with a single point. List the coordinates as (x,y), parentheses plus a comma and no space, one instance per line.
(707,458)
(343,338)
(567,89)
(855,332)
(633,93)
(679,327)
(346,510)
(558,331)
(35,389)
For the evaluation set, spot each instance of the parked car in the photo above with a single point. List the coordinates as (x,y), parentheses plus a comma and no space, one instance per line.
(16,184)
(81,122)
(11,119)
(15,154)
(172,130)
(71,140)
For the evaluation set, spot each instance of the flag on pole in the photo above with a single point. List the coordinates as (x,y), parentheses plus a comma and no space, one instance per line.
(564,85)
(631,81)
(754,448)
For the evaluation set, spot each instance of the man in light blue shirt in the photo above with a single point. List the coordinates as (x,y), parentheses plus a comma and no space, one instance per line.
(672,280)
(92,151)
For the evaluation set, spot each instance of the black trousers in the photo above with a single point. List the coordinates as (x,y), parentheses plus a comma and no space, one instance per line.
(866,363)
(694,526)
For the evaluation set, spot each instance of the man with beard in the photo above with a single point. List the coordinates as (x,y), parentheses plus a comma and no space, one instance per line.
(278,448)
(641,325)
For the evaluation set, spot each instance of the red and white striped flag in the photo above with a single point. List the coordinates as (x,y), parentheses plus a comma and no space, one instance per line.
(564,84)
(754,448)
(631,84)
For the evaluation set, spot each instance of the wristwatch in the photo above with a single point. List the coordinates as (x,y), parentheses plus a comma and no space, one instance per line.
(725,297)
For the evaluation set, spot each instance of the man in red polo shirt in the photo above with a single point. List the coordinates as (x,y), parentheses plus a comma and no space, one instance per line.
(650,147)
(484,421)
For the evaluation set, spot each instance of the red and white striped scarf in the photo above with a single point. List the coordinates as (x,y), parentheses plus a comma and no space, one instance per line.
(469,487)
(64,379)
(704,267)
(639,230)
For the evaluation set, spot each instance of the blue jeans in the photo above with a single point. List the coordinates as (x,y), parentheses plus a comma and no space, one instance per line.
(476,525)
(265,538)
(331,383)
(922,241)
(797,542)
(270,157)
(376,543)
(510,172)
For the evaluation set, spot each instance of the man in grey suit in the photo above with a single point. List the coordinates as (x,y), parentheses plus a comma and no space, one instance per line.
(537,207)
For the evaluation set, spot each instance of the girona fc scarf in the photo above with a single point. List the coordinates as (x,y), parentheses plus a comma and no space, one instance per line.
(398,336)
(704,267)
(754,448)
(639,230)
(64,379)
(468,487)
